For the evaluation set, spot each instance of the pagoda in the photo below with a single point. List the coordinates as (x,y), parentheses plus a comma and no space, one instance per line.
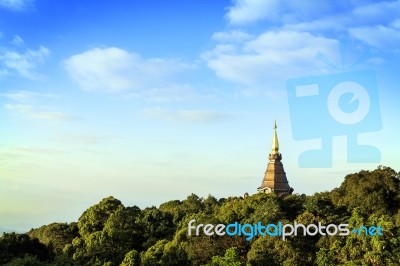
(275,180)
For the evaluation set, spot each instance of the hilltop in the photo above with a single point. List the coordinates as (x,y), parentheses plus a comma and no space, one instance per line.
(109,233)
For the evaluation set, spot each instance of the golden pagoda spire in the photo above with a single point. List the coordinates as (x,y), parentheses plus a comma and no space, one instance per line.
(275,143)
(275,180)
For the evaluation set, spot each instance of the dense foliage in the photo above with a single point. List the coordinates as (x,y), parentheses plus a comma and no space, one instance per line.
(109,233)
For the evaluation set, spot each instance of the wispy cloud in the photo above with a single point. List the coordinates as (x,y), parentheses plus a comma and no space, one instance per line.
(113,69)
(23,154)
(15,5)
(193,116)
(27,96)
(366,15)
(170,93)
(22,63)
(36,113)
(376,12)
(247,11)
(89,139)
(386,38)
(231,36)
(37,150)
(17,41)
(33,105)
(282,11)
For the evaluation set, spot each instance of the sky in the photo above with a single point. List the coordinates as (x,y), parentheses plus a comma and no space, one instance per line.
(150,101)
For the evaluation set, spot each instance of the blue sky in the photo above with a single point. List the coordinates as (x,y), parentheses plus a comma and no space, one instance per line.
(150,101)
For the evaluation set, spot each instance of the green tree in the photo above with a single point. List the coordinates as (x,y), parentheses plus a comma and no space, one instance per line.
(174,253)
(175,209)
(252,209)
(123,231)
(292,206)
(132,258)
(210,204)
(55,235)
(94,218)
(322,207)
(192,204)
(63,260)
(153,255)
(371,250)
(107,240)
(326,257)
(157,225)
(270,250)
(14,245)
(27,260)
(231,258)
(262,252)
(373,192)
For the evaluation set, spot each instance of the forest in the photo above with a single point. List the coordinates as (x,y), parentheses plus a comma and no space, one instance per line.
(109,233)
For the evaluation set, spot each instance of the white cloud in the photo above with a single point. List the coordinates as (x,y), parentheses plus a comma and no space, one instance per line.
(262,59)
(22,63)
(296,32)
(385,38)
(284,41)
(376,12)
(15,5)
(395,24)
(367,14)
(282,11)
(36,113)
(247,11)
(318,16)
(198,116)
(285,11)
(231,36)
(220,49)
(113,69)
(337,22)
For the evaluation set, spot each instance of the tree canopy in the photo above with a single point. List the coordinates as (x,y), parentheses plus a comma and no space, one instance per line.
(109,233)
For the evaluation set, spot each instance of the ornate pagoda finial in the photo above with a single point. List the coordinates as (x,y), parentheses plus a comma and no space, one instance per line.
(275,143)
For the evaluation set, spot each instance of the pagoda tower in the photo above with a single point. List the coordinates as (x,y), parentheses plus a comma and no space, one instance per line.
(275,180)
